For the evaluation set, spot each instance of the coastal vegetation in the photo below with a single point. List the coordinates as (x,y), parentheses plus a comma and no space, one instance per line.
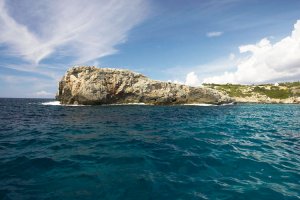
(273,91)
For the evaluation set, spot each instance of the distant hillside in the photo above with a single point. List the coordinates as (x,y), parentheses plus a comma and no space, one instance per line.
(266,93)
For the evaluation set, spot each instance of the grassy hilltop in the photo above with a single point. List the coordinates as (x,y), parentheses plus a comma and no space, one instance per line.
(277,93)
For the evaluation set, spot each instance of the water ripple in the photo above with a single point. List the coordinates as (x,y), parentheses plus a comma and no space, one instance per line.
(148,152)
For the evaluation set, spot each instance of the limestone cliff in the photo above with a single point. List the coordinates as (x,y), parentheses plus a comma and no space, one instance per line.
(91,86)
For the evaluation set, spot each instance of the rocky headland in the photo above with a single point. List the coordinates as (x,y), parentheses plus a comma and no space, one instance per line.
(95,86)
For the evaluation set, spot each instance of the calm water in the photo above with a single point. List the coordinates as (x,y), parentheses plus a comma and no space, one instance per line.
(148,152)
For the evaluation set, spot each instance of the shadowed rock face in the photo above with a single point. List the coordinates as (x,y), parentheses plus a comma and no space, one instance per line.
(92,86)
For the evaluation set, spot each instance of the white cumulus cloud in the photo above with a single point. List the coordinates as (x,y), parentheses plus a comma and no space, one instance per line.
(266,62)
(192,79)
(82,30)
(214,34)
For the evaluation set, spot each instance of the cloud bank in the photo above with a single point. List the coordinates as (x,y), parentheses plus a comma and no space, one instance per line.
(81,30)
(43,93)
(266,62)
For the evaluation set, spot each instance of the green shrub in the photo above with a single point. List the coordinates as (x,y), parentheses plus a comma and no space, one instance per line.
(274,92)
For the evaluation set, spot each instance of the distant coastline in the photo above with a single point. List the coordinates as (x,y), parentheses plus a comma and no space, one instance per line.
(286,93)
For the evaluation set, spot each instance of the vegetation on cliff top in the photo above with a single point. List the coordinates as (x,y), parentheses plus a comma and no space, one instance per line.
(276,91)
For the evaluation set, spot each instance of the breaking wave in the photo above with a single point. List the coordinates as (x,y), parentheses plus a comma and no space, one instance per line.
(52,103)
(57,103)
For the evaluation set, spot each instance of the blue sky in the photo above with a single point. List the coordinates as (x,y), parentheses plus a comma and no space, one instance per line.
(190,42)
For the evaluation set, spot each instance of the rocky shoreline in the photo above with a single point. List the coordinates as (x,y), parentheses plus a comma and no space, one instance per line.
(267,100)
(95,86)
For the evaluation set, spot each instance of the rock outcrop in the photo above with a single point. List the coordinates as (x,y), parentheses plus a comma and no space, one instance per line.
(92,86)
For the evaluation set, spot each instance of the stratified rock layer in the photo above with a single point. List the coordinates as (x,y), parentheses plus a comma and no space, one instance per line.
(92,86)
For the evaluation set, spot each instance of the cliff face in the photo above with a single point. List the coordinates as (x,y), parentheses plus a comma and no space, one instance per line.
(91,86)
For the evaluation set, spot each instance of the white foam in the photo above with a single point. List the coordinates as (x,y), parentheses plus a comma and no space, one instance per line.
(51,103)
(205,104)
(228,104)
(57,103)
(198,104)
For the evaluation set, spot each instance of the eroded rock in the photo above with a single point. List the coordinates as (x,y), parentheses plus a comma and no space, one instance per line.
(92,86)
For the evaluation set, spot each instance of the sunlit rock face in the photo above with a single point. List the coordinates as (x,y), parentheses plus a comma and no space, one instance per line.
(92,86)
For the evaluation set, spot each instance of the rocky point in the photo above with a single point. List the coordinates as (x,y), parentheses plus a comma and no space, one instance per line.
(93,86)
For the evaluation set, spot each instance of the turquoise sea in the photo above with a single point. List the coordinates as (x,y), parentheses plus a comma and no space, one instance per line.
(244,151)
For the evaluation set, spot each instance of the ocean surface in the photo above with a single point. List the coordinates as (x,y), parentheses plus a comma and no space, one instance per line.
(246,151)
